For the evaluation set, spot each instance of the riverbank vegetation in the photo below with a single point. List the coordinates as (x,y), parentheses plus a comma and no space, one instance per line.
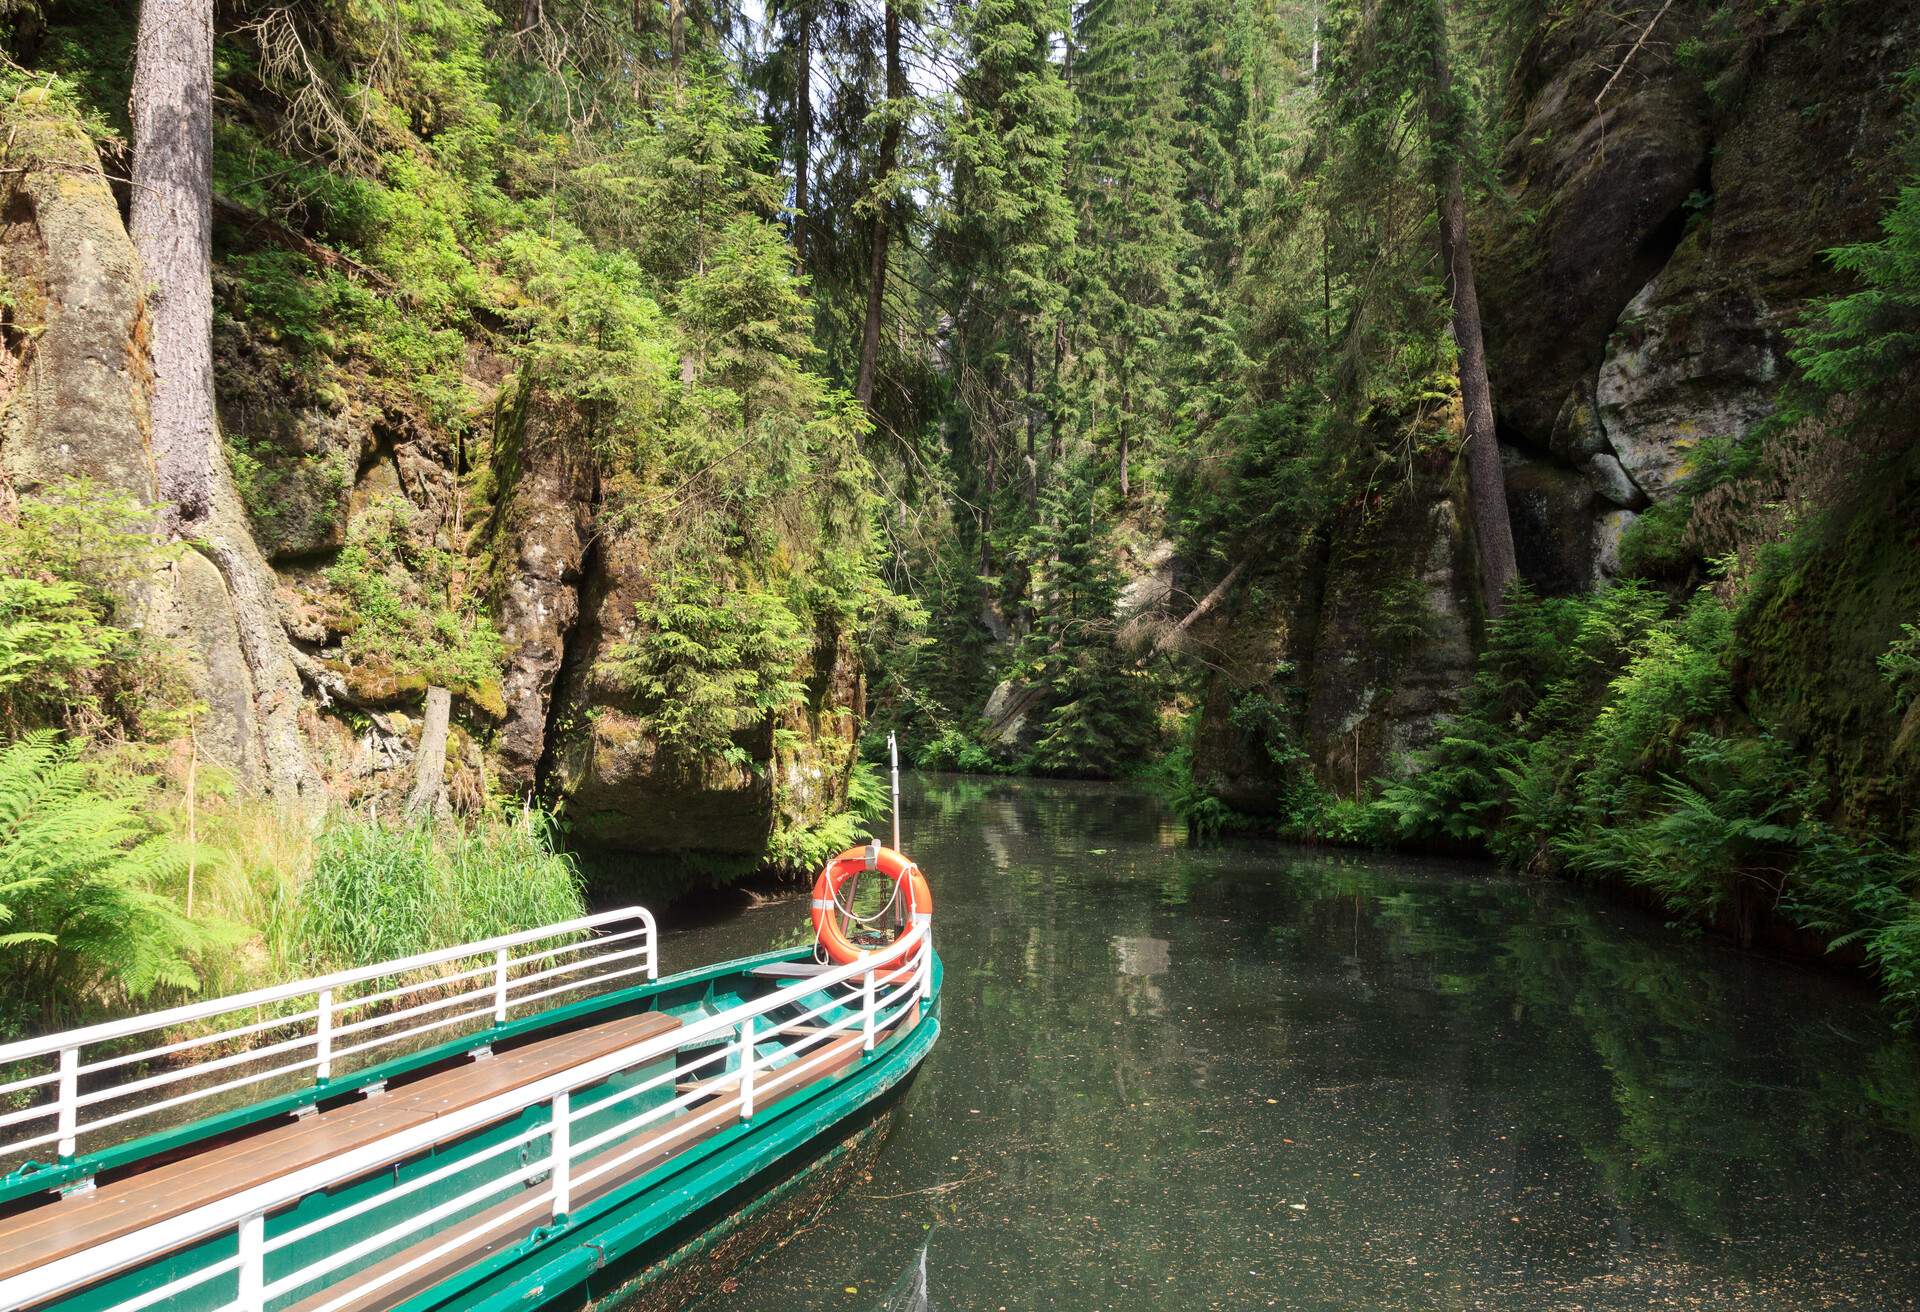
(619,415)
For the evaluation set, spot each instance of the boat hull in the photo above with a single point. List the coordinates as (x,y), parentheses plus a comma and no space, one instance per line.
(693,1259)
(673,1243)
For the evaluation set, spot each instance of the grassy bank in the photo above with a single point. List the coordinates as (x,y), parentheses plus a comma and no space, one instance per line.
(119,895)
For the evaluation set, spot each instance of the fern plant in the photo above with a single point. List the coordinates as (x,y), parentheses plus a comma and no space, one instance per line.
(84,879)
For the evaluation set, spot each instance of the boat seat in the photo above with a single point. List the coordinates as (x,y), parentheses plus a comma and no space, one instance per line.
(62,1226)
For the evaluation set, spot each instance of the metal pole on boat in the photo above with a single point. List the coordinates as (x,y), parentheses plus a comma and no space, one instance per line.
(746,1069)
(560,1134)
(868,1016)
(253,1260)
(893,751)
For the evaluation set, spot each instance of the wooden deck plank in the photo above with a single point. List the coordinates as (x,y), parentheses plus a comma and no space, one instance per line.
(66,1225)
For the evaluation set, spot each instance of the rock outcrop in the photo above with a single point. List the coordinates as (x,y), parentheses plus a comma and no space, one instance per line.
(76,408)
(1340,656)
(1658,239)
(545,519)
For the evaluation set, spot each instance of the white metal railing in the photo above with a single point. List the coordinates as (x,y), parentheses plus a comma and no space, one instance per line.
(573,1156)
(334,1018)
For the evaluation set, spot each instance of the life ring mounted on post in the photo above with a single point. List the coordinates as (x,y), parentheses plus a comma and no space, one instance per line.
(830,917)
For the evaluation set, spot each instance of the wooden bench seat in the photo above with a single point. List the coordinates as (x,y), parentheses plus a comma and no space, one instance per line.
(62,1226)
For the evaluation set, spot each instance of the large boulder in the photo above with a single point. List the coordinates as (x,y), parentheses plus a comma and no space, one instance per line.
(1696,355)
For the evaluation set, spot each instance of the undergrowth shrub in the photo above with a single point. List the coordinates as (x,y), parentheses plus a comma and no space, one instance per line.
(85,911)
(952,749)
(1601,739)
(70,655)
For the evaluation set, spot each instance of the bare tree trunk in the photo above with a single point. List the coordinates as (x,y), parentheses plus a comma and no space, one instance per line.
(1486,483)
(882,214)
(1201,608)
(173,235)
(677,34)
(803,132)
(1126,409)
(430,768)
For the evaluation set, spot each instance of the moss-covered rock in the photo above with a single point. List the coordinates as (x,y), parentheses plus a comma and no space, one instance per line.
(1810,638)
(1596,196)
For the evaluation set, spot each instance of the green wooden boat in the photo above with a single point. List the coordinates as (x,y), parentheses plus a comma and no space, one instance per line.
(536,1121)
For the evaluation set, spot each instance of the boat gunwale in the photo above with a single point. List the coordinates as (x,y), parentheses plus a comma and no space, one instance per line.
(37,1177)
(783,1130)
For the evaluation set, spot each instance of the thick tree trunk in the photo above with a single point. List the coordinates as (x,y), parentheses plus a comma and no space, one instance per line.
(803,131)
(430,769)
(173,235)
(882,215)
(1486,483)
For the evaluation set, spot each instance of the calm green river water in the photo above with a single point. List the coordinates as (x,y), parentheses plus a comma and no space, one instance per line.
(1259,1076)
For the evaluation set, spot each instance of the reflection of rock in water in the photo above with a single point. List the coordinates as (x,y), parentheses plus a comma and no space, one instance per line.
(909,1292)
(1141,956)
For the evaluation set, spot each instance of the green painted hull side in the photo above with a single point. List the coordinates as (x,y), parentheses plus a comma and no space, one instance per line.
(624,1252)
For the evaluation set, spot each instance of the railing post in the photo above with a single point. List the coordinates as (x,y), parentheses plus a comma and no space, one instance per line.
(323,1038)
(560,1131)
(653,950)
(500,986)
(746,1069)
(867,998)
(69,1101)
(926,971)
(253,1260)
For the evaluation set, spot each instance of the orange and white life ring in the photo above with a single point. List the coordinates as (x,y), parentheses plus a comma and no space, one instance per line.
(910,887)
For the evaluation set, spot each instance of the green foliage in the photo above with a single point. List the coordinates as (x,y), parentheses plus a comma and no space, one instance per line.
(1097,713)
(1900,665)
(399,609)
(709,664)
(1865,343)
(952,749)
(379,890)
(85,907)
(69,653)
(1206,816)
(1601,739)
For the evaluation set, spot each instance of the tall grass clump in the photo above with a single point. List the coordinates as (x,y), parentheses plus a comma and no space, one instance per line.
(379,890)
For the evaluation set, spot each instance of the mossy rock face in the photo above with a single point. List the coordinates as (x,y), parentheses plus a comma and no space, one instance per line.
(1552,510)
(1341,655)
(1597,200)
(1810,639)
(622,793)
(1775,144)
(293,456)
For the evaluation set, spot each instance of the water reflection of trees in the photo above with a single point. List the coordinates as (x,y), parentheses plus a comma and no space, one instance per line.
(1709,1091)
(1509,1067)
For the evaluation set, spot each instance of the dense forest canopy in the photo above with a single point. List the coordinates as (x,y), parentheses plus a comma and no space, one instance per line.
(1473,424)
